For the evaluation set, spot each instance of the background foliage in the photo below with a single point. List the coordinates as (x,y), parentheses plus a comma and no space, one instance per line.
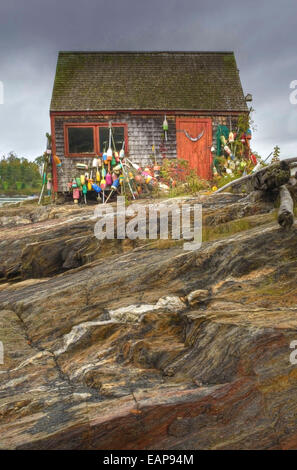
(19,175)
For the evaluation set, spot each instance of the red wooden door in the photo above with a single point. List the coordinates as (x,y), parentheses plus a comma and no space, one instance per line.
(197,152)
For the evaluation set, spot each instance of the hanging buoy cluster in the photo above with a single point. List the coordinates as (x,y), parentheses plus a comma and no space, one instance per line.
(125,178)
(111,174)
(47,168)
(233,153)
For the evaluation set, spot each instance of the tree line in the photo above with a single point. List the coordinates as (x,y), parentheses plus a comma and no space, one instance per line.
(19,175)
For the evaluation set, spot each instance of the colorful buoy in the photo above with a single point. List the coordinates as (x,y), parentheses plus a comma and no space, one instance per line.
(115,184)
(108,179)
(96,188)
(165,127)
(109,154)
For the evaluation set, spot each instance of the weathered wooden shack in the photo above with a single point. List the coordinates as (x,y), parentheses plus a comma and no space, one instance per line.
(135,91)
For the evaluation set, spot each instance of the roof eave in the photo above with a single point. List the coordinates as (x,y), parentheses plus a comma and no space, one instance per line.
(150,110)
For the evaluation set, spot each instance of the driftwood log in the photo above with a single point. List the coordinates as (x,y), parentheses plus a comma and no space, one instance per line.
(286,208)
(254,180)
(271,177)
(270,180)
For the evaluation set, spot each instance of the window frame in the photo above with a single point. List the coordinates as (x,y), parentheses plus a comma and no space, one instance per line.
(95,126)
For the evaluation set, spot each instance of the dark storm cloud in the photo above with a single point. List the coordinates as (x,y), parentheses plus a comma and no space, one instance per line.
(262,34)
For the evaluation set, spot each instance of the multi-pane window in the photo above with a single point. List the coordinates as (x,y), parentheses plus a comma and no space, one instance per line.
(93,139)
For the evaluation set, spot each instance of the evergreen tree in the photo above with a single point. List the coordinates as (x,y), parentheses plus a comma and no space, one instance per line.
(276,153)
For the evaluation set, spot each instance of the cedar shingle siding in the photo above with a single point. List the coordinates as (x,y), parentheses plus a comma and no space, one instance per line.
(147,81)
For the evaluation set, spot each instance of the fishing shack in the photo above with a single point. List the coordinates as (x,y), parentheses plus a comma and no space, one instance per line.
(171,102)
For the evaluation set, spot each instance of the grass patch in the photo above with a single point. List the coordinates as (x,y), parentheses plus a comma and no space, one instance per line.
(164,244)
(235,226)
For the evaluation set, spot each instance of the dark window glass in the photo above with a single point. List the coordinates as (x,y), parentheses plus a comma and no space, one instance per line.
(103,138)
(81,140)
(118,136)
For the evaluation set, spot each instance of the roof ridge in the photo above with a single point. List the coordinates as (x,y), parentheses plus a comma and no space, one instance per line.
(146,52)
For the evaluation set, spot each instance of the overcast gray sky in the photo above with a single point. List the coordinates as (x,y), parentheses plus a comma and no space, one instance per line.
(262,34)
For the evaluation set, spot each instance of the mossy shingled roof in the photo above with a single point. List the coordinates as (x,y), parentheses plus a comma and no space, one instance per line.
(147,81)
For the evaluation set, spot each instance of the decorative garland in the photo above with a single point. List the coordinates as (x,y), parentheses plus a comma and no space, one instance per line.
(193,139)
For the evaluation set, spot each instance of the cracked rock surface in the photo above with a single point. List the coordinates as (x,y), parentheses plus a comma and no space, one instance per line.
(143,345)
